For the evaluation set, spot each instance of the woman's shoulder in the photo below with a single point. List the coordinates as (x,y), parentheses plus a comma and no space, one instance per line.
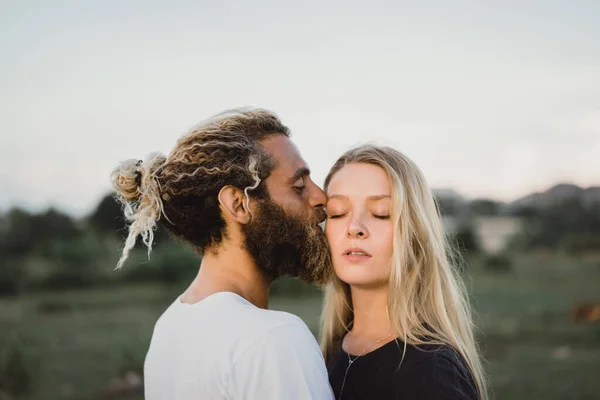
(422,354)
(432,353)
(438,371)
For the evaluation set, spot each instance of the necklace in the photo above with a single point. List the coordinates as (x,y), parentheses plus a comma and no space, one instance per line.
(351,361)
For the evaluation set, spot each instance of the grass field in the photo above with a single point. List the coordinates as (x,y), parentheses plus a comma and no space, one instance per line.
(76,342)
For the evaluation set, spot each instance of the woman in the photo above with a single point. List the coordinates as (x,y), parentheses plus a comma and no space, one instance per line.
(396,322)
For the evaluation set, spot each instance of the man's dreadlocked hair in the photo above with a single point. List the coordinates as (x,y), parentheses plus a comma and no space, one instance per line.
(181,190)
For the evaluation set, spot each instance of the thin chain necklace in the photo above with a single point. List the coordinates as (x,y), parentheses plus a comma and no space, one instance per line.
(351,361)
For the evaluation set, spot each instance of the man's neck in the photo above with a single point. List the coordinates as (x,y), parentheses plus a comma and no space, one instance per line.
(229,269)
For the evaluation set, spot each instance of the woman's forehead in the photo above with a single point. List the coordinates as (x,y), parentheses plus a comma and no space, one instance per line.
(365,180)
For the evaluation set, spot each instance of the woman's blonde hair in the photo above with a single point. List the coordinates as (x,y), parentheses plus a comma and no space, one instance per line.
(428,301)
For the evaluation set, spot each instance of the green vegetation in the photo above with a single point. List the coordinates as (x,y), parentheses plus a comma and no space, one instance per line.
(74,343)
(71,327)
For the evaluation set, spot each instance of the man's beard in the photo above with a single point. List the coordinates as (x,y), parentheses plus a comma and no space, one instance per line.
(286,245)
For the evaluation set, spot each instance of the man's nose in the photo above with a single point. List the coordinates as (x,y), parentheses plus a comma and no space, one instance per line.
(317,198)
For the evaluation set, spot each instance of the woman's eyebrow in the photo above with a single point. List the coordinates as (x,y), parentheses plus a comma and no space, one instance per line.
(342,197)
(380,197)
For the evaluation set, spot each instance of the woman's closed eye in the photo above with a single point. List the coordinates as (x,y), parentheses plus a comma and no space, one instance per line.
(335,212)
(334,216)
(382,216)
(341,215)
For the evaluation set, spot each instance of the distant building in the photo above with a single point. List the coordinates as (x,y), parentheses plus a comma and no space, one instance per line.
(493,232)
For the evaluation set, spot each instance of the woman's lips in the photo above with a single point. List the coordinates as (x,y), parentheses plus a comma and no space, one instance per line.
(356,255)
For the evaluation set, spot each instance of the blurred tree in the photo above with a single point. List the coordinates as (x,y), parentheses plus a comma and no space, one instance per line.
(27,233)
(18,231)
(54,224)
(108,218)
(172,262)
(571,225)
(485,207)
(465,240)
(447,206)
(13,248)
(79,262)
(50,226)
(12,277)
(525,212)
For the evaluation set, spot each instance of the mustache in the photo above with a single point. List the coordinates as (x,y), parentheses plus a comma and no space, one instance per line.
(319,216)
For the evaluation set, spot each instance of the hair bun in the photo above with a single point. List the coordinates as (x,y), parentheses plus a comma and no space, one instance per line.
(131,177)
(127,179)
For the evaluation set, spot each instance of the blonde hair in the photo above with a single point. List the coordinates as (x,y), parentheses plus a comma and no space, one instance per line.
(183,187)
(428,301)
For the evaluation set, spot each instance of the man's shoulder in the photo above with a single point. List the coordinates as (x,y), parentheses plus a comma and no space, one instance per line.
(240,311)
(235,339)
(229,314)
(257,323)
(270,319)
(271,330)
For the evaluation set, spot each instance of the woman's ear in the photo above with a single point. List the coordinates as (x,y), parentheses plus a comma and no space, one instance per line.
(233,204)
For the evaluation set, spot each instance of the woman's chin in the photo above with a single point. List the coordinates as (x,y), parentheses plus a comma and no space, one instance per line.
(362,280)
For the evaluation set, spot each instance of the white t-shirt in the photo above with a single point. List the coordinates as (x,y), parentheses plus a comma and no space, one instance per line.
(224,347)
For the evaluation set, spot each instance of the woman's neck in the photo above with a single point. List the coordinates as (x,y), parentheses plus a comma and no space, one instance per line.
(371,319)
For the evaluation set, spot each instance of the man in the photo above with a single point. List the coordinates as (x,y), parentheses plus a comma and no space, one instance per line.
(237,190)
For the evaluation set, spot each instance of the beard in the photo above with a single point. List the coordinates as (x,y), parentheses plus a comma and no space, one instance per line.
(282,244)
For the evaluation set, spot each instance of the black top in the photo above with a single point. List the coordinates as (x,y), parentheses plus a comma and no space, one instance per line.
(427,372)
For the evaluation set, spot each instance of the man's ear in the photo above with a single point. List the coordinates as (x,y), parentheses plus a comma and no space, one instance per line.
(233,203)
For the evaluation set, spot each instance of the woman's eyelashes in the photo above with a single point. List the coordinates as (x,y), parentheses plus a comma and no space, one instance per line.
(381,216)
(336,215)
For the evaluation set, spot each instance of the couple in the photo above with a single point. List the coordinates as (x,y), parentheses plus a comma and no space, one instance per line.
(396,323)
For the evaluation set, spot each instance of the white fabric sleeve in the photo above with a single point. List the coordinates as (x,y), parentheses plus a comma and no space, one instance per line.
(285,363)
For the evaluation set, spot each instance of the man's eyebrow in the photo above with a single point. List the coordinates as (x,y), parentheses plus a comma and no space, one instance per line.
(300,172)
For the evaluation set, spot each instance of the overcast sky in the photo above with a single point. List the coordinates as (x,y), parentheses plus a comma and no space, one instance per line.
(492,99)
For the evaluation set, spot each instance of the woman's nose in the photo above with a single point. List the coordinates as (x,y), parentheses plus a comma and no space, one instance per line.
(356,229)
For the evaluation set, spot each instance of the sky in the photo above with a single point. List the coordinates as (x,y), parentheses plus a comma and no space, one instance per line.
(493,99)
